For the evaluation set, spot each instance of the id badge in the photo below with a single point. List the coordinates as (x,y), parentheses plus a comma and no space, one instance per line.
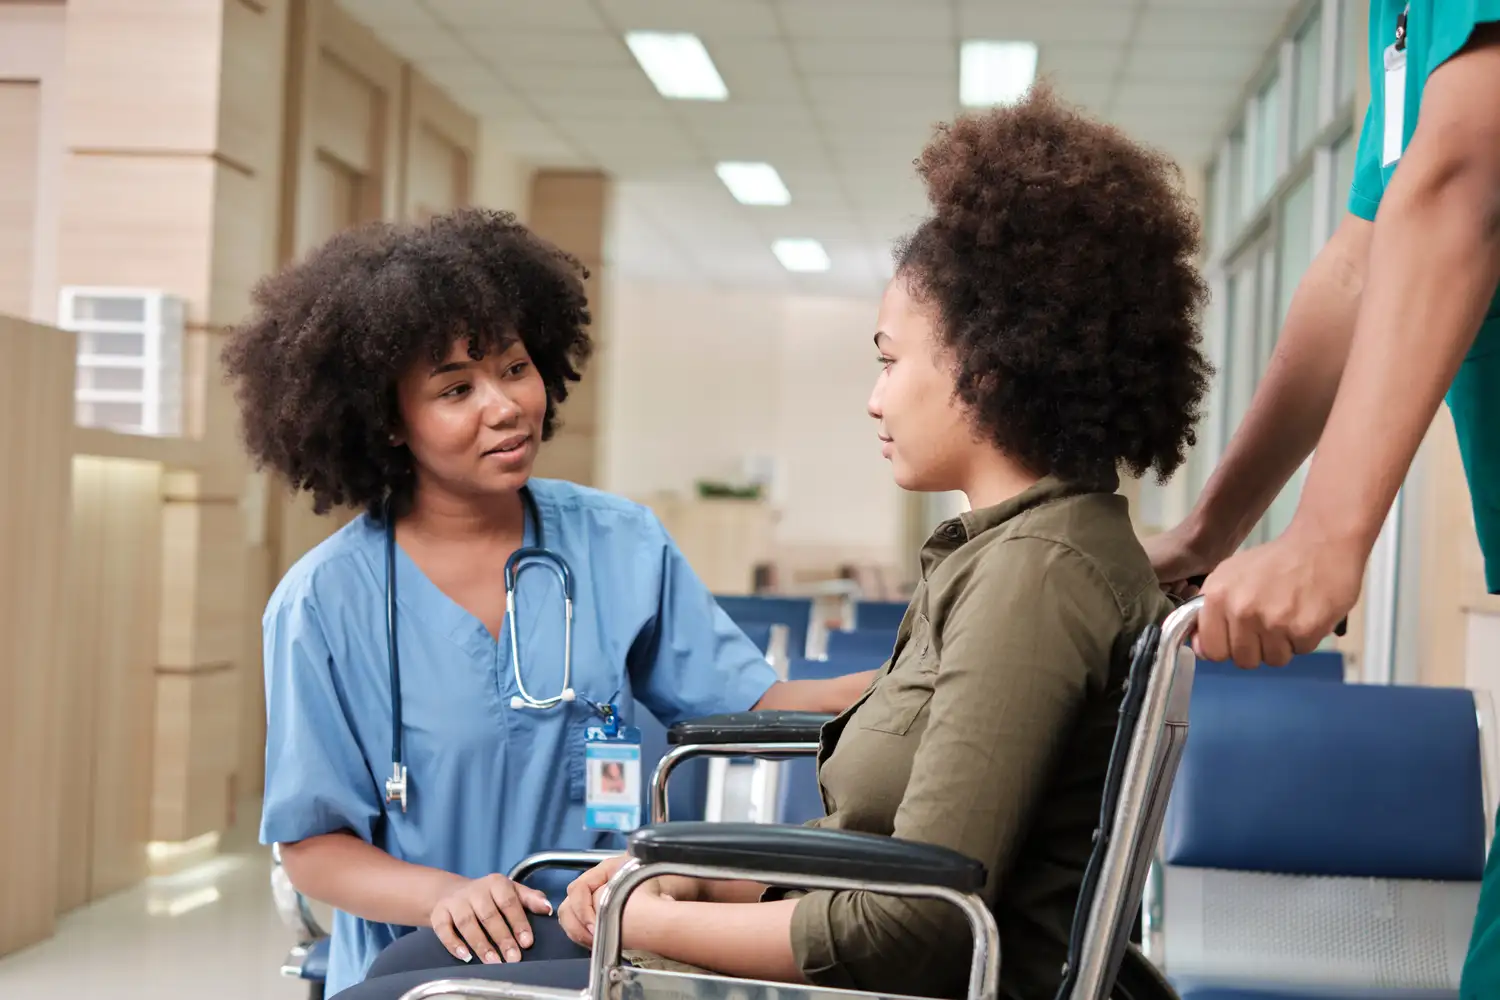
(612,767)
(1395,104)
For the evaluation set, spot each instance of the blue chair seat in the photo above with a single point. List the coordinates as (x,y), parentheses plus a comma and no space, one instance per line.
(1322,665)
(874,645)
(315,964)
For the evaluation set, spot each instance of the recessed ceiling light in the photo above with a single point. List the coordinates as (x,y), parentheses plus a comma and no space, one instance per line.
(754,183)
(993,73)
(802,255)
(678,65)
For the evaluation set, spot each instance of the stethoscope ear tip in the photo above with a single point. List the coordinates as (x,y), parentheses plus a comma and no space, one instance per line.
(516,702)
(568,694)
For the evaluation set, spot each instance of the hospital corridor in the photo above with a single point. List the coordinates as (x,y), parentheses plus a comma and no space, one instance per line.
(749,499)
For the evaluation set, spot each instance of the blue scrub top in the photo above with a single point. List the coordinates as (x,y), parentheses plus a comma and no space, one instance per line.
(488,784)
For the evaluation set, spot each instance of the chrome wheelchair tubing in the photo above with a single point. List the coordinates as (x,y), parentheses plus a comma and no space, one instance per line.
(1138,820)
(581,860)
(678,754)
(984,968)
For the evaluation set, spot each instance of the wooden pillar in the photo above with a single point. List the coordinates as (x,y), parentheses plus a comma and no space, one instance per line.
(172,173)
(570,208)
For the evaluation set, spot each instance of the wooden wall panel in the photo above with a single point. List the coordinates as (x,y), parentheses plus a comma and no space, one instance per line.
(142,221)
(436,173)
(20,146)
(347,116)
(196,749)
(35,414)
(143,75)
(31,61)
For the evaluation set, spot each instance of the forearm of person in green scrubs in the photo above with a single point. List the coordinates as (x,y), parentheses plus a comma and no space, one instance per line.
(1433,264)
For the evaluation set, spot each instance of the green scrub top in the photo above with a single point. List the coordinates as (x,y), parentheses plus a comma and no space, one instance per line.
(1435,30)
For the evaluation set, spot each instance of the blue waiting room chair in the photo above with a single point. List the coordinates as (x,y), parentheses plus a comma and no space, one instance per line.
(873,646)
(793,612)
(1321,665)
(1323,840)
(879,614)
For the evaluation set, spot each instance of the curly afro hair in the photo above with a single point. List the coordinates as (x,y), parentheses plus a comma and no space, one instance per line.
(316,367)
(1060,257)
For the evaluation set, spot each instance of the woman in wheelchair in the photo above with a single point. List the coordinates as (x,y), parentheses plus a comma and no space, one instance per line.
(1040,334)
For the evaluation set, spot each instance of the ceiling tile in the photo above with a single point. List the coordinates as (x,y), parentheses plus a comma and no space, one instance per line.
(584,81)
(1196,26)
(555,14)
(431,42)
(1049,22)
(862,95)
(526,49)
(1069,61)
(573,107)
(634,144)
(710,19)
(1094,96)
(1165,98)
(1193,63)
(825,57)
(844,20)
(758,71)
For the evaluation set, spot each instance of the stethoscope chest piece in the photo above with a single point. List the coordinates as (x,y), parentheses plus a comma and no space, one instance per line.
(395,785)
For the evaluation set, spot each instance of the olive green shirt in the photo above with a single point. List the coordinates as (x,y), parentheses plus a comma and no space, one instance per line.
(988,732)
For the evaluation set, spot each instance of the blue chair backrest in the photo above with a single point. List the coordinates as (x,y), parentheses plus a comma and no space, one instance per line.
(759,633)
(1318,779)
(793,612)
(1322,665)
(800,798)
(872,645)
(687,793)
(879,614)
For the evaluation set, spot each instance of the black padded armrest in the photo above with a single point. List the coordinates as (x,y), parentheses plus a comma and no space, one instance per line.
(802,850)
(748,727)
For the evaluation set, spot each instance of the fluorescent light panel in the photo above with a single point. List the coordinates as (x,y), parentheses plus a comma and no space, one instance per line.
(678,65)
(993,73)
(801,255)
(754,183)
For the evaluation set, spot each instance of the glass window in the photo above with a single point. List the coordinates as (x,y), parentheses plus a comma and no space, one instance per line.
(1267,138)
(1308,50)
(1241,350)
(1343,177)
(1294,248)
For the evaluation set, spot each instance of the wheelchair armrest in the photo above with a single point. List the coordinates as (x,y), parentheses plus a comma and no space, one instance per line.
(748,727)
(580,861)
(801,850)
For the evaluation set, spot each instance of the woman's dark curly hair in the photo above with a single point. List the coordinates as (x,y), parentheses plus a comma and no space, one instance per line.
(316,366)
(1060,256)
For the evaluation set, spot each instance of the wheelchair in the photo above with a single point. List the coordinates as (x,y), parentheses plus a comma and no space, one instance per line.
(1102,962)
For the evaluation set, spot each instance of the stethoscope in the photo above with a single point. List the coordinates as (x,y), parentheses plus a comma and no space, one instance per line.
(534,555)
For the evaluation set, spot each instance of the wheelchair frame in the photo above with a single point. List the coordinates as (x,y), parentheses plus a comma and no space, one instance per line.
(1143,763)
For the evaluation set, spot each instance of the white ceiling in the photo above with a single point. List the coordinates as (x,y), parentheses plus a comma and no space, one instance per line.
(838,95)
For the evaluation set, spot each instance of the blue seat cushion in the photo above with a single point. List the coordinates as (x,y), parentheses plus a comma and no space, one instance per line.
(879,615)
(1309,778)
(873,646)
(793,612)
(315,965)
(1322,665)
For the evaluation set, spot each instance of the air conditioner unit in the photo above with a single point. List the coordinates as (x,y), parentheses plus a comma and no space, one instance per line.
(129,358)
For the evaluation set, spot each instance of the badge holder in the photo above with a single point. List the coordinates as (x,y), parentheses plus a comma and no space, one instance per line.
(612,768)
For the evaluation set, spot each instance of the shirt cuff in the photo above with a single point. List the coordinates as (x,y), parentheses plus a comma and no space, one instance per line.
(1363,206)
(813,944)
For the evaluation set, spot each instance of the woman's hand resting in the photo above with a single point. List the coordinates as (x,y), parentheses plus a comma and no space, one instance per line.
(487,917)
(580,910)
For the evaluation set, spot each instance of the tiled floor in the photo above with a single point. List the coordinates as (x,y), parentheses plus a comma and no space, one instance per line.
(210,932)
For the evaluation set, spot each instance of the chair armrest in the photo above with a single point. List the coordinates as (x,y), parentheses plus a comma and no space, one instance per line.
(801,850)
(748,727)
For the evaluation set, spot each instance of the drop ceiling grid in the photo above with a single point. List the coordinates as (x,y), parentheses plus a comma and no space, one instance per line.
(839,95)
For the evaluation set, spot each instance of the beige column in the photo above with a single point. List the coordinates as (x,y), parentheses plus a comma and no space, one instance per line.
(172,174)
(569,208)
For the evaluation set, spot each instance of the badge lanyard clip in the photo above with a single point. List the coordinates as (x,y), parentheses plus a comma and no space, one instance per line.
(612,763)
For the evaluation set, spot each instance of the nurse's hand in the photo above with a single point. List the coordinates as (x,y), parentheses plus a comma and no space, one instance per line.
(487,917)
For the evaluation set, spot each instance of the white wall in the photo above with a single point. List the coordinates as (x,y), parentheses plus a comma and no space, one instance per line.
(696,378)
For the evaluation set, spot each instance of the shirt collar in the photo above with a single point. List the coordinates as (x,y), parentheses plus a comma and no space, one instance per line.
(957,530)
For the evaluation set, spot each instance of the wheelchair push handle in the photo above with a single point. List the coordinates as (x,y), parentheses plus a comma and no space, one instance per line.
(1341,629)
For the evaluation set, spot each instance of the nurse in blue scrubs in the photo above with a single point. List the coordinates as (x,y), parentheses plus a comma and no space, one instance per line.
(412,373)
